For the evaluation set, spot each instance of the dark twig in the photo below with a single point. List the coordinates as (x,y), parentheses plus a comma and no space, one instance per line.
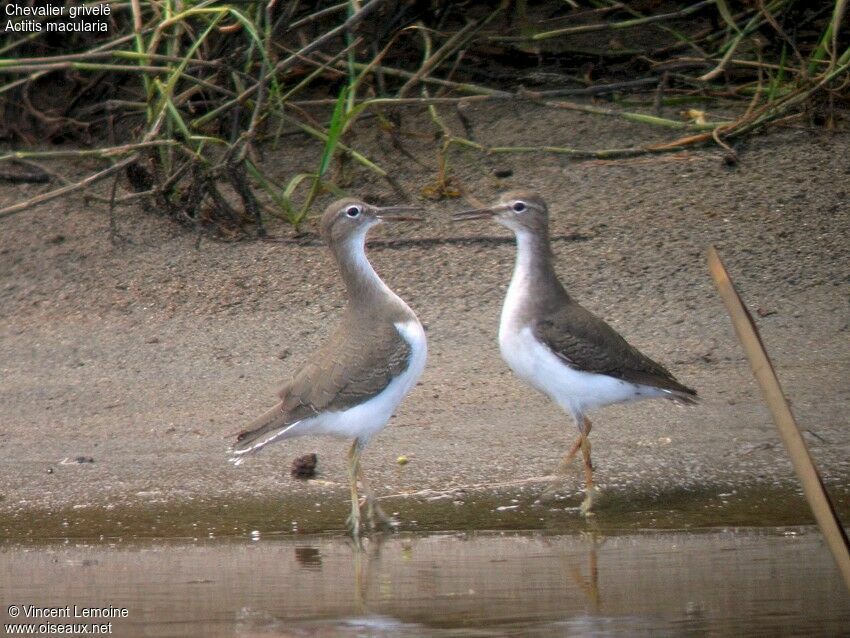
(35,175)
(236,173)
(626,24)
(66,190)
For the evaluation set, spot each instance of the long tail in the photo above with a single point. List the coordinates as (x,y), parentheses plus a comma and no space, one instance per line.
(268,428)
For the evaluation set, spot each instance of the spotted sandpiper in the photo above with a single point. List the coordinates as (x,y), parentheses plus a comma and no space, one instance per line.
(352,385)
(557,346)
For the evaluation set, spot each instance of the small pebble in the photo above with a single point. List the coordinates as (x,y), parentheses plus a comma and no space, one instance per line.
(304,467)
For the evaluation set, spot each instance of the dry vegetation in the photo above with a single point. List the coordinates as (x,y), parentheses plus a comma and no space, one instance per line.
(175,99)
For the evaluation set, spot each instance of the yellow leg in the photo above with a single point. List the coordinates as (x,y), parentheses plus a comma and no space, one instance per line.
(373,509)
(587,503)
(561,470)
(568,458)
(353,472)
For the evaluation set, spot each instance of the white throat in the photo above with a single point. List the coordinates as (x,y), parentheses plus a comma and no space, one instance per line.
(520,285)
(358,273)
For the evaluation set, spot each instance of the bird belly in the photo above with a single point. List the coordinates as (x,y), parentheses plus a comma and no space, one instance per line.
(573,390)
(366,419)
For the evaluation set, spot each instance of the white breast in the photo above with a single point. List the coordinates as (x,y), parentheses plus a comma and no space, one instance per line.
(573,390)
(365,420)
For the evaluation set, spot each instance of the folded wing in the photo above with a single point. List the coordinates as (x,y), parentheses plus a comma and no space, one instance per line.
(592,345)
(351,368)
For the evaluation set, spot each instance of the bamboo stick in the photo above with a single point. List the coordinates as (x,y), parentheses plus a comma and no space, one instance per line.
(804,466)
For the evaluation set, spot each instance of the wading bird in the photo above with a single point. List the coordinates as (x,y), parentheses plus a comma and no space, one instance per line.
(557,346)
(352,385)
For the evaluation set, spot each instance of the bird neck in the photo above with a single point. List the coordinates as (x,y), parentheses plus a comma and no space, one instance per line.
(533,259)
(365,288)
(534,282)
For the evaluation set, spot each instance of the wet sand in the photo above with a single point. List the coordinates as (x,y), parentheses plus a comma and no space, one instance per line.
(145,356)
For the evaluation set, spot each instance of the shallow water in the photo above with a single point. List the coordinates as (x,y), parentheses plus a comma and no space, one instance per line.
(719,582)
(511,509)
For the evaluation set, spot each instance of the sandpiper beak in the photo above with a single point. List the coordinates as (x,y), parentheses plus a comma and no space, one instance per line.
(478,213)
(397,214)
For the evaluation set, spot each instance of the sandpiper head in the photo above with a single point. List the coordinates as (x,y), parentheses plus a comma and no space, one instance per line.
(350,217)
(517,210)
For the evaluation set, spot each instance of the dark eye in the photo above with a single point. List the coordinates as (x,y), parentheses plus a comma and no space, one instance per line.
(353,211)
(519,207)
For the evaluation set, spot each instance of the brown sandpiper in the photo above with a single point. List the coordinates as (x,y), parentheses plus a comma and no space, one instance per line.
(353,384)
(557,346)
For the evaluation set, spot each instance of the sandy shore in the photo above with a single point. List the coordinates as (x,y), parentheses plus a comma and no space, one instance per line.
(146,355)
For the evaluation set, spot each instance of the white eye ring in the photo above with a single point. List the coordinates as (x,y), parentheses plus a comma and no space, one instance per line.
(353,211)
(519,207)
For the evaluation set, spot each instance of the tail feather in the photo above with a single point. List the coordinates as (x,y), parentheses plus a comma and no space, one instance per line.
(266,429)
(683,397)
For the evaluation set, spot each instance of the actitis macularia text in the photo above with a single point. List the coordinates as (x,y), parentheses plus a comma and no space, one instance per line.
(557,346)
(352,385)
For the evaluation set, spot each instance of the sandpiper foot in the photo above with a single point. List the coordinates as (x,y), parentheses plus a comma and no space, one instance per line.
(560,472)
(353,522)
(589,487)
(373,508)
(587,504)
(377,516)
(353,471)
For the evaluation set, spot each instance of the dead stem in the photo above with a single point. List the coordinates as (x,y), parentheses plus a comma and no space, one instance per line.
(198,97)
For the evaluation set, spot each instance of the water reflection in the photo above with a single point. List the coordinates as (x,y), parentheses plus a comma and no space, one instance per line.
(589,583)
(717,583)
(308,557)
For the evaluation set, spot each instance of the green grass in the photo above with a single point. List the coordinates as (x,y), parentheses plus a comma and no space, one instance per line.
(198,85)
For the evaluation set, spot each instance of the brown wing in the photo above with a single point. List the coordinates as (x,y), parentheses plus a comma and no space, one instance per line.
(584,341)
(347,370)
(352,367)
